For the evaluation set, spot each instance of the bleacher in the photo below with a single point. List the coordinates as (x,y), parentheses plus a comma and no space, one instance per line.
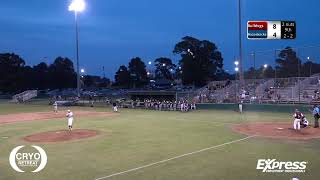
(280,90)
(24,96)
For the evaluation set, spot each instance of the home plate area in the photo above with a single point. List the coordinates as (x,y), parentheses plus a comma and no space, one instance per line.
(277,131)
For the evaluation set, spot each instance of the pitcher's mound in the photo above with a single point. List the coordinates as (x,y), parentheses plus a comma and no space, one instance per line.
(277,131)
(61,135)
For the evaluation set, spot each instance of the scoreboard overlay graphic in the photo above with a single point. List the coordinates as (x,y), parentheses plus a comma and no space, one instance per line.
(271,29)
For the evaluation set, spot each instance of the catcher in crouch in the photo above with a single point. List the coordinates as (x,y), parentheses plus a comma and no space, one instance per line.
(299,120)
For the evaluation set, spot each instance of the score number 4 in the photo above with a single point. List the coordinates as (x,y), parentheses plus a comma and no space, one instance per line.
(274,29)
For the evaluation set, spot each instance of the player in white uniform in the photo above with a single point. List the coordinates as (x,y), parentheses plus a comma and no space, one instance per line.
(70,119)
(55,107)
(298,117)
(241,107)
(304,122)
(115,107)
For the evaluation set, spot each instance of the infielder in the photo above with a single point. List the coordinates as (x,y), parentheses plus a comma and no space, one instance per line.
(241,107)
(70,119)
(115,107)
(55,107)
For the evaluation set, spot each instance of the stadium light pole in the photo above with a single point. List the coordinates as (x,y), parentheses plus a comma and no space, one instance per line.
(240,45)
(308,58)
(236,69)
(77,6)
(275,73)
(254,64)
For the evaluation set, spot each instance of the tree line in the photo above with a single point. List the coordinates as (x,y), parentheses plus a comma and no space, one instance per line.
(288,64)
(200,62)
(16,76)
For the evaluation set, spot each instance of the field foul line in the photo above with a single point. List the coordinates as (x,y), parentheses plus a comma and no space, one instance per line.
(176,157)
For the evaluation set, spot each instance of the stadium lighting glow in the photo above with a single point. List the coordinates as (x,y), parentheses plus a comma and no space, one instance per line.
(236,63)
(190,52)
(265,66)
(236,69)
(77,5)
(82,71)
(308,57)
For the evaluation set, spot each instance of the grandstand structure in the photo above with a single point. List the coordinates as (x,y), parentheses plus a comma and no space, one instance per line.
(24,96)
(280,90)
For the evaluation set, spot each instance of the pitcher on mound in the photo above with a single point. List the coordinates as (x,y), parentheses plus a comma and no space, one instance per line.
(70,119)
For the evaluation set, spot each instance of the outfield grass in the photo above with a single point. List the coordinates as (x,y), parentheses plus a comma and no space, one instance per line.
(136,138)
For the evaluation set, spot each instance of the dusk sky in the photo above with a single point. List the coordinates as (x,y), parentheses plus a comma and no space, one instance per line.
(114,31)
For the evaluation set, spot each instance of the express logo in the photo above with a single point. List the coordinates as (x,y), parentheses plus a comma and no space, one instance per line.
(25,158)
(274,166)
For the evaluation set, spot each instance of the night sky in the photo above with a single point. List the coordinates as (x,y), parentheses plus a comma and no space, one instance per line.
(114,31)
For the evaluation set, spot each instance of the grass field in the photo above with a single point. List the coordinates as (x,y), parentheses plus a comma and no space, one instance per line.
(138,138)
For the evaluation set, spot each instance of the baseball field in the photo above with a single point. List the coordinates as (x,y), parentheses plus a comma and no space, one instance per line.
(144,144)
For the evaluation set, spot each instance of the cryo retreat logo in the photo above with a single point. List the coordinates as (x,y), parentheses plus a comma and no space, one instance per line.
(24,159)
(274,166)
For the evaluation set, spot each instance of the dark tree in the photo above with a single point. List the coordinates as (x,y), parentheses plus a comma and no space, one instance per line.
(11,72)
(251,73)
(288,63)
(90,81)
(122,77)
(201,61)
(104,83)
(309,68)
(224,75)
(260,73)
(164,68)
(138,72)
(62,74)
(41,75)
(266,72)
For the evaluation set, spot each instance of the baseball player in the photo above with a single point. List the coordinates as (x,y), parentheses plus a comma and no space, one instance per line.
(55,107)
(70,119)
(316,115)
(304,122)
(298,117)
(240,107)
(115,107)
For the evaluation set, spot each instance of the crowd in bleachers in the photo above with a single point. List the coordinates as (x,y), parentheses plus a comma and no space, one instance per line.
(209,93)
(153,104)
(183,106)
(316,96)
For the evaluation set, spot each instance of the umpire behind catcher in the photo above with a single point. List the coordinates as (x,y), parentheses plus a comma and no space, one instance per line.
(316,115)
